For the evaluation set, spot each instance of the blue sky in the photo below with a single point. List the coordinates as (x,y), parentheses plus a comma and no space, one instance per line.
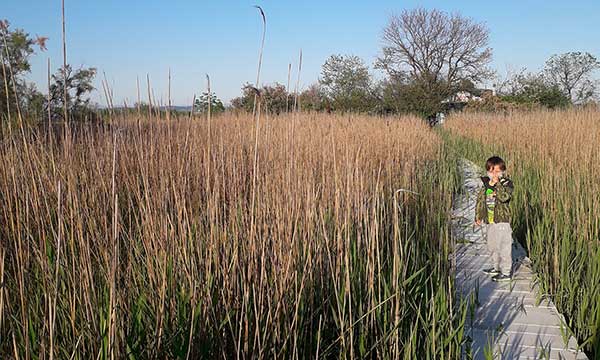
(128,38)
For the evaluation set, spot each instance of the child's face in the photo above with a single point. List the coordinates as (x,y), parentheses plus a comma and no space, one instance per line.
(495,172)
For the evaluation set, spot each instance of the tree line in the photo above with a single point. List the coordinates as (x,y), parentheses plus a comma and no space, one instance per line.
(346,85)
(426,58)
(19,98)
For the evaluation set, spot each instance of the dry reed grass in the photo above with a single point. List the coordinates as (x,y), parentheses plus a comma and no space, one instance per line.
(135,240)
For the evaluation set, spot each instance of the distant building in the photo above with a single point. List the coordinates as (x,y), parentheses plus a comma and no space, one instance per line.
(458,101)
(462,98)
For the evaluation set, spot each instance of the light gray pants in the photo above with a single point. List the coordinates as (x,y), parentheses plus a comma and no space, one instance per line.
(499,242)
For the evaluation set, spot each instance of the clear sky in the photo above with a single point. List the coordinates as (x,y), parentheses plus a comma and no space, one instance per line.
(130,38)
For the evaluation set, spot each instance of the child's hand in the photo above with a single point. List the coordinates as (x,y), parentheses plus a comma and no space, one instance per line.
(478,221)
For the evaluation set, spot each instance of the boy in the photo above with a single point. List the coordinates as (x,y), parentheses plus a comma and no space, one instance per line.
(493,208)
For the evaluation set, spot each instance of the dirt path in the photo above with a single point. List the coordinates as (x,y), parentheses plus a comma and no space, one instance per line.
(508,318)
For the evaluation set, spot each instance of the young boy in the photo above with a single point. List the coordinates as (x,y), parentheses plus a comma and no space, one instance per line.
(493,209)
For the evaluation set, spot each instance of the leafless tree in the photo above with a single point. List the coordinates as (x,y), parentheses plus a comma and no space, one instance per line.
(441,51)
(571,72)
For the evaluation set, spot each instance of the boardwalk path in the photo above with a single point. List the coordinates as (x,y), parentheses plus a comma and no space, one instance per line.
(507,314)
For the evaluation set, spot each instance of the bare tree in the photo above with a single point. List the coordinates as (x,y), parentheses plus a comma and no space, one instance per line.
(571,72)
(440,51)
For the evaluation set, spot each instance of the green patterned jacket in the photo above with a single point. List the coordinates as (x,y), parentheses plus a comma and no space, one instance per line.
(503,189)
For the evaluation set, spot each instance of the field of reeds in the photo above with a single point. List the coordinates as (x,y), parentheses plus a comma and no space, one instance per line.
(554,160)
(315,236)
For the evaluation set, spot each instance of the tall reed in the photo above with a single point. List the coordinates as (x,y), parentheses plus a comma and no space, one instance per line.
(137,243)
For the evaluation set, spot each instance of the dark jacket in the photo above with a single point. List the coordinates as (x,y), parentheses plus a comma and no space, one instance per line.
(503,189)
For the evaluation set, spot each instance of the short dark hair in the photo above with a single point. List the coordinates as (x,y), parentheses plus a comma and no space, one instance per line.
(493,161)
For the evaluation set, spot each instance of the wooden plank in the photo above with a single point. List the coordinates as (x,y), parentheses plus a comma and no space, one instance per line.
(522,345)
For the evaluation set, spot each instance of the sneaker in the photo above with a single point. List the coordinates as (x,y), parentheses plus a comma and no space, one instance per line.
(491,271)
(501,278)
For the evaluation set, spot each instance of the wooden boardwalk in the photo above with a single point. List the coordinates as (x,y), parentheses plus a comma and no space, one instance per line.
(509,320)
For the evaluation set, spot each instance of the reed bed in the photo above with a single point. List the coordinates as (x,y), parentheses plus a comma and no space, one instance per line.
(139,240)
(554,158)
